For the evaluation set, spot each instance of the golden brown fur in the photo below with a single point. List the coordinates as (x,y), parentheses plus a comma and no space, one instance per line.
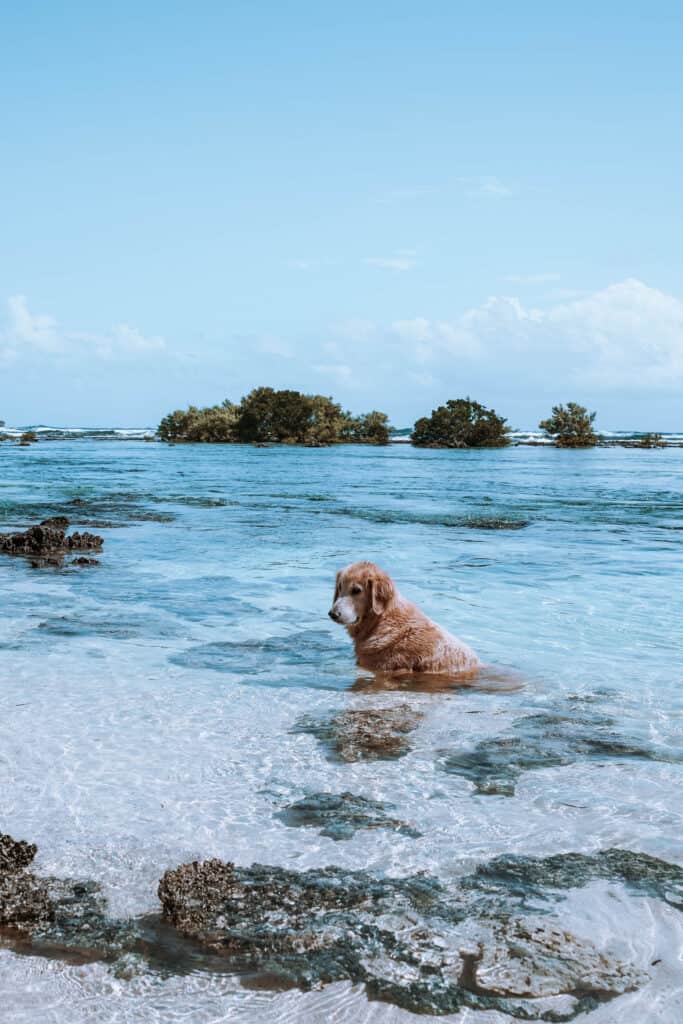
(391,634)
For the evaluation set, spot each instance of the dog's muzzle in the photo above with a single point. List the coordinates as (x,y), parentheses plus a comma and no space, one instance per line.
(344,612)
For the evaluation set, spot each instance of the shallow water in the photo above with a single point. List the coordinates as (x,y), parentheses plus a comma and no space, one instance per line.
(151,708)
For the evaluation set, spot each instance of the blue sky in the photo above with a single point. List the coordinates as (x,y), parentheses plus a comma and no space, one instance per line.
(393,203)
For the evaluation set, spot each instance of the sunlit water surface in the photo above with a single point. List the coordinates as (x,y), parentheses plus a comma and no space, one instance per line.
(148,707)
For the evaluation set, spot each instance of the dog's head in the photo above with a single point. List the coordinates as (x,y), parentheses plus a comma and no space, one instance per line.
(362,590)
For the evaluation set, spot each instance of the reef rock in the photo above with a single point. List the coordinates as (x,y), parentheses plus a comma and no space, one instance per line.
(24,900)
(549,740)
(425,947)
(48,542)
(366,733)
(340,815)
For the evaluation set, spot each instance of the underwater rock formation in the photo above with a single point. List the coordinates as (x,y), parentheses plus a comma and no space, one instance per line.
(23,898)
(413,941)
(365,733)
(48,543)
(341,815)
(548,740)
(488,940)
(56,917)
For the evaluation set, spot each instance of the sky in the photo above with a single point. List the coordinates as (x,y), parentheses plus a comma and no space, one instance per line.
(394,203)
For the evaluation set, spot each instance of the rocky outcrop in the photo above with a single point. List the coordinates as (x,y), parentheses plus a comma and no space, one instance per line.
(48,543)
(340,815)
(490,940)
(553,739)
(365,733)
(413,941)
(57,917)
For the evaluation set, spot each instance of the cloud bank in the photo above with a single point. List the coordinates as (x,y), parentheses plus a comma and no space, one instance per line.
(27,333)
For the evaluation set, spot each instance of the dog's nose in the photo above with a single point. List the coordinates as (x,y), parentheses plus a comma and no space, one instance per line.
(333,615)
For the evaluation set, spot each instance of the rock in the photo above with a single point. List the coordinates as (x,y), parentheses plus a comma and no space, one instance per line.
(23,898)
(15,855)
(57,917)
(85,561)
(366,733)
(48,542)
(548,740)
(430,947)
(412,941)
(339,815)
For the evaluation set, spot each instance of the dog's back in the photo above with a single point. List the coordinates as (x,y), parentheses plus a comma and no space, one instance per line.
(404,639)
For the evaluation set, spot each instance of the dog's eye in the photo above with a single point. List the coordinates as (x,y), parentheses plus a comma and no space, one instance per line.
(355,589)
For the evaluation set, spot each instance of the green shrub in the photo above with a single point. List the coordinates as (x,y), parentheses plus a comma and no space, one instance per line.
(215,423)
(370,428)
(461,423)
(571,426)
(284,417)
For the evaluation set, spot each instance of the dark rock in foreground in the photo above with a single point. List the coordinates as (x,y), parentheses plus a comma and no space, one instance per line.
(479,943)
(341,815)
(55,916)
(366,733)
(48,543)
(488,940)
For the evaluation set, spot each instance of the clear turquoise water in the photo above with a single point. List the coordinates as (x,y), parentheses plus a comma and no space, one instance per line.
(147,706)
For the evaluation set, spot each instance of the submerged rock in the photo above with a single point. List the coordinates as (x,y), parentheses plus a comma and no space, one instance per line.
(15,854)
(412,941)
(488,940)
(23,898)
(52,916)
(531,877)
(548,740)
(366,733)
(341,815)
(48,543)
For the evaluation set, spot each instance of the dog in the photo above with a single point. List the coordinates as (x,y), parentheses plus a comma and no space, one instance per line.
(391,634)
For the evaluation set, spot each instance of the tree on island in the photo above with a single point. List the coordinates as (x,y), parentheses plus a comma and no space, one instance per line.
(215,423)
(283,417)
(570,426)
(461,423)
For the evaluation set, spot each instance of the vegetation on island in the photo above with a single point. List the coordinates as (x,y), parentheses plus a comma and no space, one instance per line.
(570,426)
(267,415)
(461,423)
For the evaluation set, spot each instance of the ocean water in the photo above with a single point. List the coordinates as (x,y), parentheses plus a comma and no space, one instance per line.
(153,709)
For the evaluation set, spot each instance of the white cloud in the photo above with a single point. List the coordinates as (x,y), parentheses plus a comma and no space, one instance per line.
(27,332)
(402,260)
(130,338)
(26,328)
(631,334)
(626,335)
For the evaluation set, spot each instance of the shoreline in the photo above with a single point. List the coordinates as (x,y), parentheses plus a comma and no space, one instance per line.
(12,439)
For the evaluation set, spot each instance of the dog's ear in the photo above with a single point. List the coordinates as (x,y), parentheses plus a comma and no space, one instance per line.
(382,591)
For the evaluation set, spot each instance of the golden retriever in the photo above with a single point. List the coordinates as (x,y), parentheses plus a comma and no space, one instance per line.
(391,634)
